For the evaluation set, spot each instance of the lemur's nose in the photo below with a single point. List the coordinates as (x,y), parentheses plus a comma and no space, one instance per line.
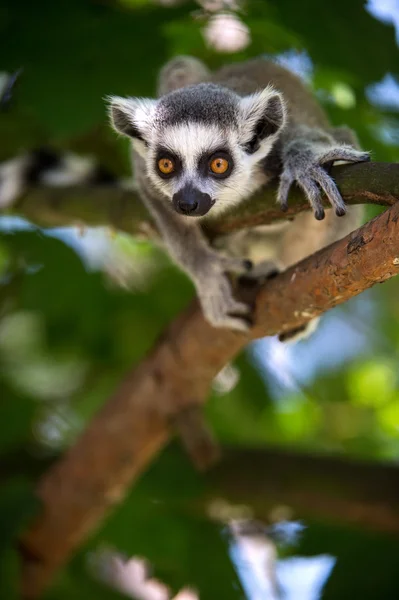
(191,201)
(188,205)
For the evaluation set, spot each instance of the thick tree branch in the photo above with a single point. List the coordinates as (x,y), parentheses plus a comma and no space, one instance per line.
(135,423)
(375,183)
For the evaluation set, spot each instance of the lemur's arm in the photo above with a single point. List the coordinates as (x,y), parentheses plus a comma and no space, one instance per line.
(207,268)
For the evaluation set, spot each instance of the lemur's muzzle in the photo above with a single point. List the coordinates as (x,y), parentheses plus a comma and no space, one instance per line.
(192,202)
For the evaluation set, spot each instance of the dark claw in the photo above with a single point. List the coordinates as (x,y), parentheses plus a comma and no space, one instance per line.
(248,264)
(284,206)
(273,274)
(251,281)
(287,335)
(340,212)
(319,214)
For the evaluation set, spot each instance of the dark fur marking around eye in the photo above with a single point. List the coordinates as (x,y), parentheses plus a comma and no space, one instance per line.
(206,159)
(165,153)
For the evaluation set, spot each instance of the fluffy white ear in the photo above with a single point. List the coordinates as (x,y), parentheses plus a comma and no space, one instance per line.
(132,117)
(263,114)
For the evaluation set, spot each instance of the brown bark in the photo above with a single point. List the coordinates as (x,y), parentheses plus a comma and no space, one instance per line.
(360,494)
(135,423)
(362,183)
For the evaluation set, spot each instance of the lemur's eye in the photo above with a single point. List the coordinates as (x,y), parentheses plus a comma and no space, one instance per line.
(219,165)
(166,166)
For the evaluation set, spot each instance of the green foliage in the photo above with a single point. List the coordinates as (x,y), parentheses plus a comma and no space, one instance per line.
(17,507)
(68,333)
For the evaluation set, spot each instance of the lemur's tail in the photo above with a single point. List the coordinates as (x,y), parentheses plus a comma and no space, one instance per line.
(47,166)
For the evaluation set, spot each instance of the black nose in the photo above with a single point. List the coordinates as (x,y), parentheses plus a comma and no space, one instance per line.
(188,205)
(191,201)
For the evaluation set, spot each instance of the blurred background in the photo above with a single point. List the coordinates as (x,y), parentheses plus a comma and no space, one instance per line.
(79,308)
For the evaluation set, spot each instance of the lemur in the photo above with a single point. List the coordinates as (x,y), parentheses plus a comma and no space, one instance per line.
(206,144)
(209,142)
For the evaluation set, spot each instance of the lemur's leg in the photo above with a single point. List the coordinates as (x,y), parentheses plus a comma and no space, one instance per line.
(303,160)
(180,72)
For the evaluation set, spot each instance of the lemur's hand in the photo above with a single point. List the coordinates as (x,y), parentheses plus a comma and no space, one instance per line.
(214,289)
(306,165)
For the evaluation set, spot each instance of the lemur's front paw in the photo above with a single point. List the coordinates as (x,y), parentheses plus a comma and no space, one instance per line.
(214,288)
(308,169)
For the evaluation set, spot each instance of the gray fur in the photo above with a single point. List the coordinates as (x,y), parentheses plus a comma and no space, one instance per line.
(180,72)
(205,103)
(238,112)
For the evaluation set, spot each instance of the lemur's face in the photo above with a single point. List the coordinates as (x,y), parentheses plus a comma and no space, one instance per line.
(202,144)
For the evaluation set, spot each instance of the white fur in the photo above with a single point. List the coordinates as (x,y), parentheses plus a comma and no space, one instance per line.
(139,111)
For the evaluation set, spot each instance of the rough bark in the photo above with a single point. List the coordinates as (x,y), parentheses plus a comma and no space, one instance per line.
(375,183)
(135,423)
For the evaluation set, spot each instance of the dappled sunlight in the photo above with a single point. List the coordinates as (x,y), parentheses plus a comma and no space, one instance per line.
(299,63)
(385,93)
(255,549)
(133,577)
(338,339)
(386,11)
(29,367)
(387,131)
(227,33)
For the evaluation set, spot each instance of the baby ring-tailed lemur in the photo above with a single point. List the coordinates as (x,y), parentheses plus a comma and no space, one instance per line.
(213,139)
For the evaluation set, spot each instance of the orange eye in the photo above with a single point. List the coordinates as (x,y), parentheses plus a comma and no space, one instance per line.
(166,166)
(219,165)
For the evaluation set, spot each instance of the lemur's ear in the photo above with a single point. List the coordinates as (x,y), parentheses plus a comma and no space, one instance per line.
(263,114)
(132,117)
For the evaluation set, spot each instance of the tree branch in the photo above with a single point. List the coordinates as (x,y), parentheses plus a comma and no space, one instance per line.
(345,491)
(362,183)
(134,425)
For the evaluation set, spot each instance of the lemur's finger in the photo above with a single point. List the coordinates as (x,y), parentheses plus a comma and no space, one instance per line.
(345,153)
(239,324)
(329,187)
(313,194)
(283,190)
(229,313)
(222,319)
(239,308)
